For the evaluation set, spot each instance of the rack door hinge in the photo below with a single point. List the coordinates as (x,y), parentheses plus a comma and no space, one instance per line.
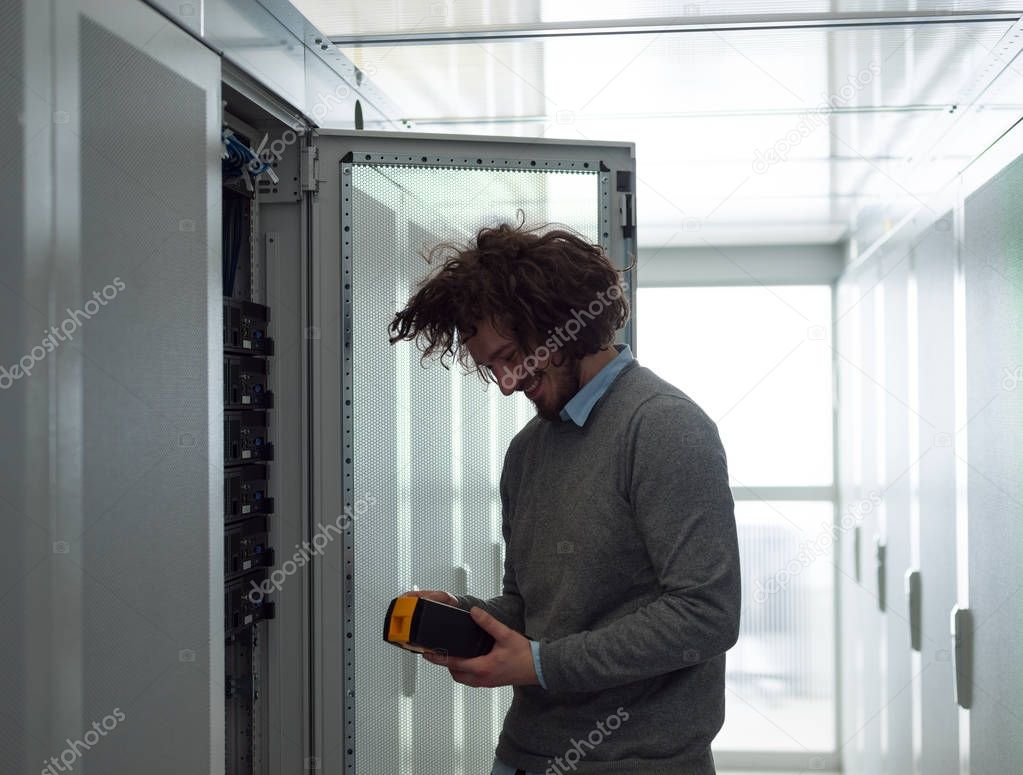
(310,167)
(626,203)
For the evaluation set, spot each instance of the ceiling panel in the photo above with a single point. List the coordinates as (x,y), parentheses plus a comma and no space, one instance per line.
(369,17)
(742,136)
(676,74)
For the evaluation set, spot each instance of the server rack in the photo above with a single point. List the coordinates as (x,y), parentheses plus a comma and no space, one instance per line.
(249,505)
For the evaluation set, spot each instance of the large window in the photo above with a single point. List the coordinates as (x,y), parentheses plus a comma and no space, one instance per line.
(757,359)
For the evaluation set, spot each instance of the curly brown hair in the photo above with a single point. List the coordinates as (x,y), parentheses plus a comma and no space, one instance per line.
(529,282)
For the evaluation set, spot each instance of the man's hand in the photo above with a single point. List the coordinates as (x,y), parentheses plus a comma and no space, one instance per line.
(509,663)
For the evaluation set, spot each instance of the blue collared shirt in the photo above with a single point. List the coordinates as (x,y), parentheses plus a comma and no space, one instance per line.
(581,404)
(577,410)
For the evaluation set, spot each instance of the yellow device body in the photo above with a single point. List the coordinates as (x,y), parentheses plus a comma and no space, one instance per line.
(399,623)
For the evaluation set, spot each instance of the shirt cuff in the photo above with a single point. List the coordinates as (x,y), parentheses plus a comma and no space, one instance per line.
(535,647)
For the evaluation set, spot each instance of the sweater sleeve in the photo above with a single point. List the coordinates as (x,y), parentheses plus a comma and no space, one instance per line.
(676,479)
(507,607)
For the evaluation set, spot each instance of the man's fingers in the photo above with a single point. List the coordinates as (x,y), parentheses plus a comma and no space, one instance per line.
(457,663)
(489,623)
(466,678)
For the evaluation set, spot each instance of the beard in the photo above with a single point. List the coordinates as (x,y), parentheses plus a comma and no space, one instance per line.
(558,384)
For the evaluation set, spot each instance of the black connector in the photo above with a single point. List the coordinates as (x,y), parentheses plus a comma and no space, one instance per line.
(246,547)
(246,383)
(246,492)
(247,328)
(246,438)
(246,602)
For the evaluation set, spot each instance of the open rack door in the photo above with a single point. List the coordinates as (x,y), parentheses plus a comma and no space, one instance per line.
(406,459)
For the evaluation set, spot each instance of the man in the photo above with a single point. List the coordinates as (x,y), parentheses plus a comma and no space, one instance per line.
(621,584)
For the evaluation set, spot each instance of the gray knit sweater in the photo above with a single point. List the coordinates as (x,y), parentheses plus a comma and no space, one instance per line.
(622,560)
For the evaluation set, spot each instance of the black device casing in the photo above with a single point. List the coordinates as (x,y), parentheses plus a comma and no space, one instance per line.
(444,628)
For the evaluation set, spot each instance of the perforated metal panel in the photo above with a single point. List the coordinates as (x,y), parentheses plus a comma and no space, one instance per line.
(848,330)
(20,517)
(992,258)
(897,704)
(860,326)
(427,444)
(145,542)
(111,298)
(934,258)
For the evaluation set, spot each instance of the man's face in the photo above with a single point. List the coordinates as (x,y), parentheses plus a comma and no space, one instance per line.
(547,385)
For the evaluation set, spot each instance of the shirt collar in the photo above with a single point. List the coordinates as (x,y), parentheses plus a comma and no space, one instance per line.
(581,404)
